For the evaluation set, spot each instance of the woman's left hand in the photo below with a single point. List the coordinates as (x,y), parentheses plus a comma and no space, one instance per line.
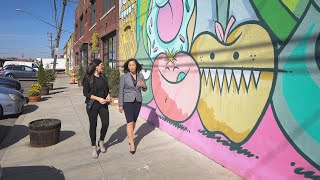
(141,84)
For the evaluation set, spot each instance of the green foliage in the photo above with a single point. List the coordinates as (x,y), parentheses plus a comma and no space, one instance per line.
(41,75)
(80,73)
(49,75)
(35,90)
(95,42)
(106,69)
(114,80)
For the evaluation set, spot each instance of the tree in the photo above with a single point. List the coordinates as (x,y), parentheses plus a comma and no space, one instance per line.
(41,75)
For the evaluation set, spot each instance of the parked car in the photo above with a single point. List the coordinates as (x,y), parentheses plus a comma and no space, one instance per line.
(11,102)
(26,63)
(18,71)
(11,83)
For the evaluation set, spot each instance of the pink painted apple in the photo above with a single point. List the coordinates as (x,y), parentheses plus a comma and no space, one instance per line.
(176,85)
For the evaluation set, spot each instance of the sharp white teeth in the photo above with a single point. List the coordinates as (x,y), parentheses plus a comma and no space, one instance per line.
(213,77)
(237,76)
(228,75)
(146,74)
(256,75)
(246,75)
(220,76)
(130,8)
(201,70)
(206,73)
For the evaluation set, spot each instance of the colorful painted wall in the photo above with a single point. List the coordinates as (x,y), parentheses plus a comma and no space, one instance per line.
(237,80)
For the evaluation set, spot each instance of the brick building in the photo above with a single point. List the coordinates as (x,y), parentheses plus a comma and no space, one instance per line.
(99,16)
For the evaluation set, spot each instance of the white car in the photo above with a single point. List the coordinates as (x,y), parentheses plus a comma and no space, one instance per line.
(11,102)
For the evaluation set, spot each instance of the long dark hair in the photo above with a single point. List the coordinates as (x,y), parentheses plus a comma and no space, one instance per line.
(126,68)
(91,69)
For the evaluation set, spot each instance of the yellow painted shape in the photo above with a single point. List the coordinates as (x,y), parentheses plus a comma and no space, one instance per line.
(291,4)
(127,28)
(231,111)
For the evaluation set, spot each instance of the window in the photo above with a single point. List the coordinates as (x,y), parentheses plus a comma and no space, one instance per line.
(28,69)
(9,68)
(93,12)
(81,25)
(109,49)
(76,32)
(17,68)
(107,5)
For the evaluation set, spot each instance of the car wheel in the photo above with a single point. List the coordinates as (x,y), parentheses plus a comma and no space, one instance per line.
(10,75)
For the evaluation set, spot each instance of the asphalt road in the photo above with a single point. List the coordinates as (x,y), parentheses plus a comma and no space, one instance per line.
(8,121)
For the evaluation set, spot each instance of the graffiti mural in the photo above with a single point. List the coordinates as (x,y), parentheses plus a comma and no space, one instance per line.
(127,26)
(237,80)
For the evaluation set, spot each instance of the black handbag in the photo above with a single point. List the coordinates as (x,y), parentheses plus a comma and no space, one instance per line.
(89,104)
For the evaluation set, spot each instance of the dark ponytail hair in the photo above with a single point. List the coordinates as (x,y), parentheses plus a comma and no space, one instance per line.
(91,69)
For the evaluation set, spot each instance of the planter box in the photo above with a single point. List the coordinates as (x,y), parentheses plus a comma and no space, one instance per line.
(44,132)
(44,90)
(114,102)
(50,85)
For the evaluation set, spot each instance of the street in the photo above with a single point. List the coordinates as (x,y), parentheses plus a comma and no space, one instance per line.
(8,121)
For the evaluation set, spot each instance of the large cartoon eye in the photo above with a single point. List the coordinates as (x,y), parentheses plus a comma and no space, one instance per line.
(236,55)
(212,55)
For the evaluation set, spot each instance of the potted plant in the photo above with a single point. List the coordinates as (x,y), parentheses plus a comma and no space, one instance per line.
(114,80)
(80,74)
(49,78)
(34,93)
(42,80)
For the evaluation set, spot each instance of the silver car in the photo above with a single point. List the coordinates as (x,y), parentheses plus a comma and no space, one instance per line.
(18,71)
(11,102)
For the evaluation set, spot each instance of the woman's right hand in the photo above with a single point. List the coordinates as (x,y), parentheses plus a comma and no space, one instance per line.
(102,101)
(120,109)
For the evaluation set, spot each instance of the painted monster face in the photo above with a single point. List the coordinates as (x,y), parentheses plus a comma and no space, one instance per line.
(236,79)
(170,25)
(127,26)
(175,85)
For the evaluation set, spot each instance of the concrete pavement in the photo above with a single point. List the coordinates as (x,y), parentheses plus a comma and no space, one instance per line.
(158,156)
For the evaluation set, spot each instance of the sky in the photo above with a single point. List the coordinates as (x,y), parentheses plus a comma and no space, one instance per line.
(22,35)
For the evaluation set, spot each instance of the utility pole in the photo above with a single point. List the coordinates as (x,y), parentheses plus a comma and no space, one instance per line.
(51,46)
(58,36)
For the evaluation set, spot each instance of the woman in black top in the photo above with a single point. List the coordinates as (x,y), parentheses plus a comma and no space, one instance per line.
(96,91)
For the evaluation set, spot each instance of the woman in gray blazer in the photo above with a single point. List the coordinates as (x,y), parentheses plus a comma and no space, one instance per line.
(130,97)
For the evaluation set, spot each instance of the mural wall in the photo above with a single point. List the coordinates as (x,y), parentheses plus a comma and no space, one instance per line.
(238,80)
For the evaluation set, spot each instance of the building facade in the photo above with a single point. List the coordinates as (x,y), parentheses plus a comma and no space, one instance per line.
(101,17)
(238,81)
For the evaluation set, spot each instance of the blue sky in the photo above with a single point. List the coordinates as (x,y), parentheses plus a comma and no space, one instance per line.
(22,35)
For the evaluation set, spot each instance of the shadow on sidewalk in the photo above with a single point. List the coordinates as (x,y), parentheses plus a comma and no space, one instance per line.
(118,136)
(30,108)
(143,130)
(66,134)
(32,172)
(45,98)
(14,135)
(58,88)
(51,93)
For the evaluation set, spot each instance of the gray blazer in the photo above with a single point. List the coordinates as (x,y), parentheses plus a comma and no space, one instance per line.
(127,91)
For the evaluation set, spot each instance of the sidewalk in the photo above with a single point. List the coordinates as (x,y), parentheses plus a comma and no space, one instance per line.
(158,156)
